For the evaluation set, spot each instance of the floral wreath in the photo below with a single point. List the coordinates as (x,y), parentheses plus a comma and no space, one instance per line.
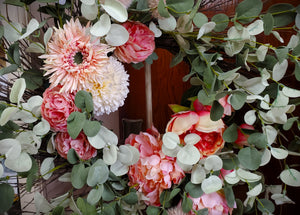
(64,71)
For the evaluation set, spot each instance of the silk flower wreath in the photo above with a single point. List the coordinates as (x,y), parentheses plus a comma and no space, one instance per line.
(238,120)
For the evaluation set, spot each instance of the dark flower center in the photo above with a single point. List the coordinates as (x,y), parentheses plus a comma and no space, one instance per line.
(78,58)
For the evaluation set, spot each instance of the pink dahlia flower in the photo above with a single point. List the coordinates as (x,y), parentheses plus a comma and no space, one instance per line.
(210,132)
(72,58)
(56,108)
(139,45)
(154,172)
(214,202)
(63,143)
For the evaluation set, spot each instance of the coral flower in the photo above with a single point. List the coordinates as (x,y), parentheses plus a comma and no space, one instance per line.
(110,92)
(73,58)
(154,172)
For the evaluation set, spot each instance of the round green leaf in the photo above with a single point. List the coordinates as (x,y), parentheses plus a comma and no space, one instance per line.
(119,168)
(192,139)
(117,35)
(131,198)
(101,27)
(266,206)
(200,19)
(198,174)
(95,195)
(248,8)
(128,154)
(151,210)
(282,19)
(213,162)
(245,175)
(7,196)
(187,204)
(72,156)
(238,99)
(194,190)
(256,27)
(41,128)
(250,158)
(250,117)
(65,177)
(290,177)
(229,195)
(232,178)
(167,24)
(31,27)
(230,134)
(217,111)
(12,32)
(180,6)
(110,154)
(47,165)
(90,12)
(91,128)
(279,153)
(211,184)
(78,176)
(84,100)
(255,191)
(170,140)
(75,123)
(188,155)
(21,164)
(266,157)
(221,21)
(98,173)
(258,139)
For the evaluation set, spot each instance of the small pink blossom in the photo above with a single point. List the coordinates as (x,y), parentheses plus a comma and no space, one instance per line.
(56,108)
(154,172)
(214,202)
(139,45)
(63,143)
(242,139)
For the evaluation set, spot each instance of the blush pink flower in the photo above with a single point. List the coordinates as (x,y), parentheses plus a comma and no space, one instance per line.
(63,143)
(210,132)
(242,139)
(72,58)
(214,202)
(56,108)
(139,45)
(154,172)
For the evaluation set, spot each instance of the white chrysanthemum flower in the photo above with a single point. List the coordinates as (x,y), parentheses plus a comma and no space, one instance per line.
(110,93)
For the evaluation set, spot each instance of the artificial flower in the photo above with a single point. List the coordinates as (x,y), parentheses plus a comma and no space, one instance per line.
(63,143)
(154,172)
(242,139)
(139,46)
(215,203)
(210,132)
(56,107)
(176,210)
(73,58)
(110,92)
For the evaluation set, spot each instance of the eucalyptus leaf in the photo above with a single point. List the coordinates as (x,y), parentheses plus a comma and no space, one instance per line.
(116,10)
(117,35)
(91,128)
(180,6)
(266,206)
(258,139)
(75,123)
(9,69)
(187,204)
(131,198)
(17,90)
(230,135)
(78,176)
(31,27)
(268,23)
(194,190)
(200,19)
(167,24)
(238,99)
(102,26)
(6,197)
(46,167)
(90,12)
(98,173)
(290,177)
(229,195)
(95,195)
(282,19)
(250,158)
(221,21)
(162,10)
(248,9)
(211,184)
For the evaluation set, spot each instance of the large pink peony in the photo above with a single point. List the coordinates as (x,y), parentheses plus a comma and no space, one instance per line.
(214,202)
(154,172)
(63,143)
(139,45)
(57,107)
(199,122)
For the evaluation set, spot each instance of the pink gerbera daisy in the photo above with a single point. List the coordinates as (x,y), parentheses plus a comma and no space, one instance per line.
(73,58)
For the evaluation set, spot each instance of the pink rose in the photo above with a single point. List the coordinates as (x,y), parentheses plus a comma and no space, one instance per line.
(211,132)
(139,45)
(242,139)
(154,172)
(214,202)
(57,107)
(63,143)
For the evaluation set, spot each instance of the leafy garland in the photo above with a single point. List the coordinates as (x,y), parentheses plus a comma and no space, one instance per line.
(236,76)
